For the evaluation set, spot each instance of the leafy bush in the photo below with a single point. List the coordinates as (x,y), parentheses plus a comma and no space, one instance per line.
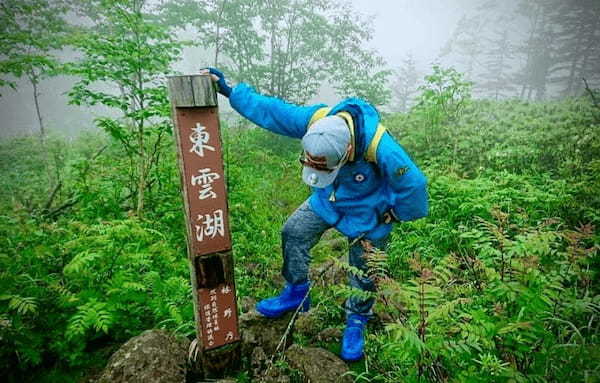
(67,285)
(498,308)
(559,138)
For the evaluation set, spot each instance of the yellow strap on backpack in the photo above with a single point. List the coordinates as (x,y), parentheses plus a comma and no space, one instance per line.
(319,114)
(371,155)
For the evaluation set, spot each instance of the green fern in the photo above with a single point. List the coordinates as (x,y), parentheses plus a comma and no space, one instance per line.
(81,263)
(348,268)
(445,310)
(92,315)
(345,291)
(22,305)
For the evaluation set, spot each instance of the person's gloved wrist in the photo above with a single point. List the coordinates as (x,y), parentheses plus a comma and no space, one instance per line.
(389,217)
(222,86)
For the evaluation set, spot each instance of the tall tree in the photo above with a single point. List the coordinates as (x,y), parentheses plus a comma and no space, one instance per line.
(496,79)
(31,31)
(288,48)
(577,49)
(128,53)
(228,27)
(405,83)
(538,48)
(293,32)
(466,44)
(353,69)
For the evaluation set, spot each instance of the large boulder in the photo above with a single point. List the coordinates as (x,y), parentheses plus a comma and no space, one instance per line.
(330,335)
(317,365)
(153,356)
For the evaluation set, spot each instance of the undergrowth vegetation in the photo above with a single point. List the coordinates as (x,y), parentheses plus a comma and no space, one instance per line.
(498,284)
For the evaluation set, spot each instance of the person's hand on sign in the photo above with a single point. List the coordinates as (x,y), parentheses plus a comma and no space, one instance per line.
(218,77)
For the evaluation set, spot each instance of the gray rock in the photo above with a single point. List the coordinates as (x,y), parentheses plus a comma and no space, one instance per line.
(264,371)
(274,375)
(258,331)
(258,361)
(153,356)
(308,324)
(330,234)
(317,365)
(247,304)
(336,244)
(330,335)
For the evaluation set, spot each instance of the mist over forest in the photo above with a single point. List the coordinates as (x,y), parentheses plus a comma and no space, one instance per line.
(532,50)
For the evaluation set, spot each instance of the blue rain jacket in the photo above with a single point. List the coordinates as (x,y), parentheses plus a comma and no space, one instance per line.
(363,191)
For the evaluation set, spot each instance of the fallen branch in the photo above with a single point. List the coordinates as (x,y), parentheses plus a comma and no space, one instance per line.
(56,212)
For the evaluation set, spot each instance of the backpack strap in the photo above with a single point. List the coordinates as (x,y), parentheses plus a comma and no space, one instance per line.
(371,155)
(319,114)
(348,117)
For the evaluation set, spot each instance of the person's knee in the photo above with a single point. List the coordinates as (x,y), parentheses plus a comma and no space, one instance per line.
(290,230)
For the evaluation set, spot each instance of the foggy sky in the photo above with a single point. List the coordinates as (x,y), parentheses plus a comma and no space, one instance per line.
(419,27)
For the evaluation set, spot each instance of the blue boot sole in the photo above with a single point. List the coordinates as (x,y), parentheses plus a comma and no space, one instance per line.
(351,358)
(276,314)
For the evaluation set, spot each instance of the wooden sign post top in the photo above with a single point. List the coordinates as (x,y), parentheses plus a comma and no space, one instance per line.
(200,155)
(192,91)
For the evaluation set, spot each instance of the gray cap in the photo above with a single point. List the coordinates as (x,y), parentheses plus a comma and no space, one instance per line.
(329,138)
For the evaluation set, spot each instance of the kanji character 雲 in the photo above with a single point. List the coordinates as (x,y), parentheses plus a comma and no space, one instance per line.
(205,179)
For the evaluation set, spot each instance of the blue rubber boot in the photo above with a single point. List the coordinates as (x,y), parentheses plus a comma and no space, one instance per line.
(288,300)
(353,342)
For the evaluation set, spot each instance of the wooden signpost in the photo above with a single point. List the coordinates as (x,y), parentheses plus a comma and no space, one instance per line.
(196,120)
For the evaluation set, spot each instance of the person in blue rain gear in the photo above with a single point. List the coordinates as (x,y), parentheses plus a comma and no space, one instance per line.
(362,181)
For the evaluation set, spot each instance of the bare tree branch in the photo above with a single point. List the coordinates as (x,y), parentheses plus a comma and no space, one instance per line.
(591,93)
(71,200)
(48,203)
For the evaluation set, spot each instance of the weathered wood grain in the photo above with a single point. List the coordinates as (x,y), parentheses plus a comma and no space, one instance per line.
(204,91)
(192,91)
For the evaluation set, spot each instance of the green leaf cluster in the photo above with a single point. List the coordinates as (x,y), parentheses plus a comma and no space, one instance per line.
(31,31)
